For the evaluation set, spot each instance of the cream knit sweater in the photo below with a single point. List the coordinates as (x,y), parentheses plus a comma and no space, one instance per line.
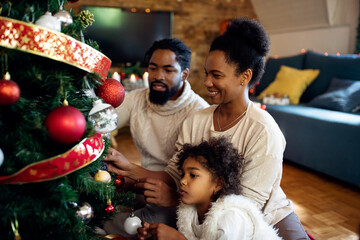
(155,128)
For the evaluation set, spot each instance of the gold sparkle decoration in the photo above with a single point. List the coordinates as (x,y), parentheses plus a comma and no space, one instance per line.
(33,172)
(86,18)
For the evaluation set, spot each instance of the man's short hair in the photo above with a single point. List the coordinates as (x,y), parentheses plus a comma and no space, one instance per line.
(182,52)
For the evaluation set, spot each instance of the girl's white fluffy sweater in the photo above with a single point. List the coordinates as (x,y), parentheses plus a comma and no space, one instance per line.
(230,217)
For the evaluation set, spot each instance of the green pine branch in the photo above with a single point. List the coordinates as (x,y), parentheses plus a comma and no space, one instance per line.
(45,210)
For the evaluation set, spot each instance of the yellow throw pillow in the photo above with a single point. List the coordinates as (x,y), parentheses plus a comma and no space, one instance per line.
(292,82)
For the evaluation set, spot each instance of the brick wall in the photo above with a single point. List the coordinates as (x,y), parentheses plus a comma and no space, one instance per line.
(196,22)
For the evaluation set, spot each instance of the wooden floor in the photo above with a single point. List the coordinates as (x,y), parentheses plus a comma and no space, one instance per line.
(327,209)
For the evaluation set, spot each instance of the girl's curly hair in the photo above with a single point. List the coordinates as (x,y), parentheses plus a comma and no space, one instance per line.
(220,158)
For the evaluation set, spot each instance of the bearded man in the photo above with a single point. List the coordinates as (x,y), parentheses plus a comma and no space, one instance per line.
(155,116)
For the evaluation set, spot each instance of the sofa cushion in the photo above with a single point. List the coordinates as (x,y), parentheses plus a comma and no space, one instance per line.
(291,82)
(343,66)
(273,66)
(343,95)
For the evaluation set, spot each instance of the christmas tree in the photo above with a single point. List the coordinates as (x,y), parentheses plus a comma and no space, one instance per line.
(53,136)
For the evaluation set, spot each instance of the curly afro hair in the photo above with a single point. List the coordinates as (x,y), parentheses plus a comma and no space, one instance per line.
(220,158)
(245,43)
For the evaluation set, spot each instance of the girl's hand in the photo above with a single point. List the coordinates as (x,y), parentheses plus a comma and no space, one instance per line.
(161,231)
(143,231)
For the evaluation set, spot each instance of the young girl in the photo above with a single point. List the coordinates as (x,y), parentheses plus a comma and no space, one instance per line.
(210,207)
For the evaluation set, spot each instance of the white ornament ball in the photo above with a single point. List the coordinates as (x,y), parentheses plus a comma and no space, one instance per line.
(64,17)
(1,157)
(131,224)
(49,21)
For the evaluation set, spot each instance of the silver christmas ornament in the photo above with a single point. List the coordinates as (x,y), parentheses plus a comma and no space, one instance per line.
(64,16)
(103,116)
(131,224)
(85,212)
(1,157)
(49,21)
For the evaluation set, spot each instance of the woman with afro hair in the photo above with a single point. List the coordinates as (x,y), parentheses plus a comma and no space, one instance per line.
(234,64)
(211,207)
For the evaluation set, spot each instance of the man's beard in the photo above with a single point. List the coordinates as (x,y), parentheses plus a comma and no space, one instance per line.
(161,98)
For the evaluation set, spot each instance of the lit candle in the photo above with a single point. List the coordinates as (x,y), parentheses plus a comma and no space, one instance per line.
(116,76)
(132,78)
(146,79)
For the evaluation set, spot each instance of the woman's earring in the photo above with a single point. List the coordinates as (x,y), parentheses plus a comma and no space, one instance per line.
(242,84)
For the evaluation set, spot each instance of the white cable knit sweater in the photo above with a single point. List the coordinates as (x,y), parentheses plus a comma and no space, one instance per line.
(155,128)
(229,218)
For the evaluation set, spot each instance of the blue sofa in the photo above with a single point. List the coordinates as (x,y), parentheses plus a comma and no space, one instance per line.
(324,140)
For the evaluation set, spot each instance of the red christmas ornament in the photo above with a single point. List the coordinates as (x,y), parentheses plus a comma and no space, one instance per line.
(122,76)
(9,91)
(65,124)
(110,209)
(119,181)
(112,92)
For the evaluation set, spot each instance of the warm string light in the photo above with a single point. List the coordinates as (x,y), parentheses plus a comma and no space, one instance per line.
(227,1)
(134,10)
(303,50)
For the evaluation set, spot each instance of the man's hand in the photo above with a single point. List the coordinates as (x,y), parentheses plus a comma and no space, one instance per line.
(158,192)
(117,163)
(159,231)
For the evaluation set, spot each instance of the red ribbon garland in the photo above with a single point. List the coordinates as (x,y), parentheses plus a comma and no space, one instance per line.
(84,153)
(55,45)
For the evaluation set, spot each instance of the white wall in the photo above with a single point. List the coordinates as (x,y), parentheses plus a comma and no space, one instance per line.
(330,40)
(318,25)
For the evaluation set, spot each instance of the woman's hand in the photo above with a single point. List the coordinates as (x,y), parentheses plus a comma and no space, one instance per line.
(159,231)
(117,163)
(158,192)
